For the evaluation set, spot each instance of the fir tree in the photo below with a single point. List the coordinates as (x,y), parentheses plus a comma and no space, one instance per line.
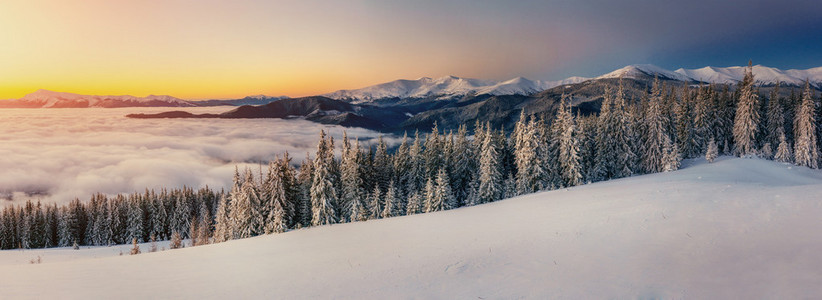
(374,205)
(746,122)
(712,152)
(222,223)
(391,207)
(443,197)
(490,178)
(569,161)
(655,133)
(783,151)
(775,117)
(530,172)
(135,221)
(672,156)
(353,194)
(414,204)
(805,147)
(323,194)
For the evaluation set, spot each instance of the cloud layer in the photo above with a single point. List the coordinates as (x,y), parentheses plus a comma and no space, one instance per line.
(58,154)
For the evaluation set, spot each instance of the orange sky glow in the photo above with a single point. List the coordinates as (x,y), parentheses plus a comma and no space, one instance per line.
(227,49)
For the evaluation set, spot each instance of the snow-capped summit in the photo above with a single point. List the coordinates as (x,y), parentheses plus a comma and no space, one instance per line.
(644,71)
(447,86)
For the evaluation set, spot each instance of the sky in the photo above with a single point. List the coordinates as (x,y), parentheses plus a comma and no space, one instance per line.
(206,49)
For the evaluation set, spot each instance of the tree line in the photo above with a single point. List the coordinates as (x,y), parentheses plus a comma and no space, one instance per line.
(441,171)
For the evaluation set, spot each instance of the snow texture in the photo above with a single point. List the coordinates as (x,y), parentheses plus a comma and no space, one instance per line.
(737,228)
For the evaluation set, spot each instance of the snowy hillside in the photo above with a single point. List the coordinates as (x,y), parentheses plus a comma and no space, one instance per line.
(447,86)
(738,228)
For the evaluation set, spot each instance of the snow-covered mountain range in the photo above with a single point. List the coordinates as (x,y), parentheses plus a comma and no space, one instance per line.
(729,75)
(51,99)
(448,86)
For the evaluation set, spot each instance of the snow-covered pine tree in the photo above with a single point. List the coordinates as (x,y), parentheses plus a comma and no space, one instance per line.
(746,121)
(160,222)
(382,164)
(775,117)
(530,172)
(391,208)
(684,123)
(443,197)
(805,151)
(323,194)
(305,180)
(433,153)
(568,144)
(626,139)
(182,215)
(222,222)
(374,205)
(353,193)
(402,165)
(414,204)
(655,132)
(712,152)
(415,178)
(135,221)
(608,132)
(463,165)
(587,141)
(430,192)
(672,156)
(490,178)
(275,220)
(703,120)
(783,151)
(245,212)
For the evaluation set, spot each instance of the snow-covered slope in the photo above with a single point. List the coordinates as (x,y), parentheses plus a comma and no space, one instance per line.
(447,86)
(737,228)
(50,99)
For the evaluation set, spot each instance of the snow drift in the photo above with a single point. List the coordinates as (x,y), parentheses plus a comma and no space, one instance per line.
(738,228)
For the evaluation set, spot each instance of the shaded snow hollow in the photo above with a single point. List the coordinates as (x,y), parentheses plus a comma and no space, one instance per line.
(737,228)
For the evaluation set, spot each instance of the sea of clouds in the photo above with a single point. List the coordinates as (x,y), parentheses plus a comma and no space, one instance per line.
(56,155)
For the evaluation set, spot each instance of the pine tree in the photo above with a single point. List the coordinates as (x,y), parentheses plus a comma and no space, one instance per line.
(530,172)
(374,205)
(430,193)
(463,165)
(353,194)
(382,164)
(222,223)
(775,117)
(783,151)
(569,161)
(712,152)
(414,204)
(655,133)
(442,197)
(490,178)
(305,180)
(703,120)
(746,122)
(391,208)
(805,151)
(275,218)
(323,194)
(245,213)
(672,156)
(135,221)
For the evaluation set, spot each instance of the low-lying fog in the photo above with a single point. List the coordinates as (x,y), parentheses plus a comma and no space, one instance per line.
(56,155)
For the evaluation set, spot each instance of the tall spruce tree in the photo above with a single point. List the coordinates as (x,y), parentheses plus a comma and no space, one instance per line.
(746,121)
(323,194)
(805,151)
(655,132)
(567,142)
